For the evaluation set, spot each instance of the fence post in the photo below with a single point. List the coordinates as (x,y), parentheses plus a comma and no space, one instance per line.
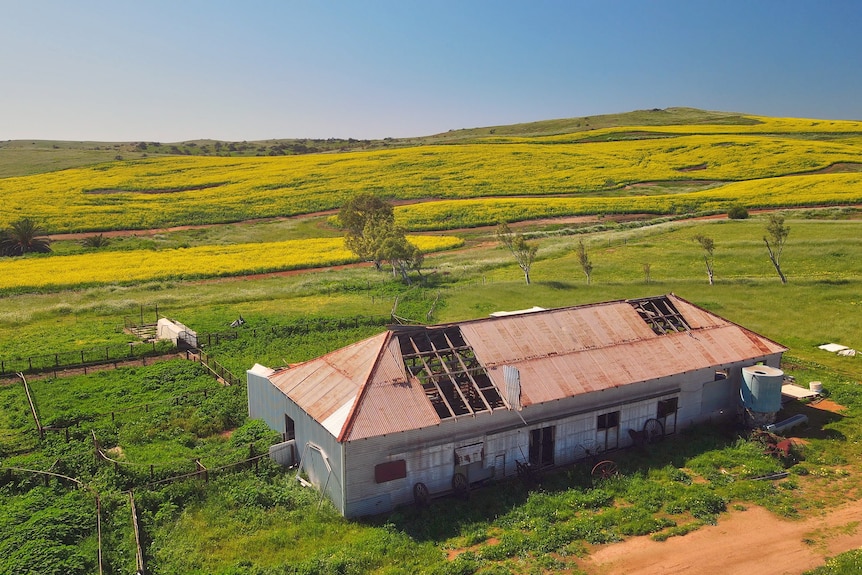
(139,552)
(33,407)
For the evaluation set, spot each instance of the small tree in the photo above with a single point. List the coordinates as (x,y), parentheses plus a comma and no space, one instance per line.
(708,246)
(400,253)
(777,232)
(367,221)
(524,253)
(647,272)
(584,260)
(23,236)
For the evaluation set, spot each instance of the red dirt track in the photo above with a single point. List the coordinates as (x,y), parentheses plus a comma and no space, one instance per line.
(745,542)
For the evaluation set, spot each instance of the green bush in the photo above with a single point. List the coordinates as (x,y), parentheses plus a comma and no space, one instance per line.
(737,213)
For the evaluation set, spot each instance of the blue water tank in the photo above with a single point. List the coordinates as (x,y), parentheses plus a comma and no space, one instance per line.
(761,388)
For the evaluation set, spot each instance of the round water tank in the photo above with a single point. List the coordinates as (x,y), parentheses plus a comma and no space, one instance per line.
(761,388)
(816,386)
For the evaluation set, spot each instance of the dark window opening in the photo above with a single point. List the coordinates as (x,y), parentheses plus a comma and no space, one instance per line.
(608,430)
(447,369)
(289,428)
(660,314)
(542,446)
(608,420)
(667,407)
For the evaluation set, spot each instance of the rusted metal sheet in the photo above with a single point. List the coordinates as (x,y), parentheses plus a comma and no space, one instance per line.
(516,338)
(324,385)
(557,376)
(390,402)
(364,390)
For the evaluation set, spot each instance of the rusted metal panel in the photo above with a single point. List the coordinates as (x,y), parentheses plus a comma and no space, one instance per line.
(557,376)
(513,338)
(324,385)
(390,402)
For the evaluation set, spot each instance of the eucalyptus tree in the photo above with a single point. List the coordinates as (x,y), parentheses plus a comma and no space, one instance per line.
(777,232)
(523,251)
(708,245)
(584,260)
(367,221)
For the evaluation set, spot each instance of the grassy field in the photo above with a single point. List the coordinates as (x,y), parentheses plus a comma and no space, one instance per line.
(259,520)
(508,528)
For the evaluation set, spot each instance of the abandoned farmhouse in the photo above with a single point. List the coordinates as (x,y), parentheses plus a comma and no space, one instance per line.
(421,410)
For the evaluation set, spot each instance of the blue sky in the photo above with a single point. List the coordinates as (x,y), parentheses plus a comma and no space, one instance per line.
(185,69)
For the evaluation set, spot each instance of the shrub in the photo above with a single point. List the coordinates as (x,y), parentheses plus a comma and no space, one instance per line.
(96,241)
(737,213)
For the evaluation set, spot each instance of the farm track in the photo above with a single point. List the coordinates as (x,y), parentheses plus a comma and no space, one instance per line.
(743,542)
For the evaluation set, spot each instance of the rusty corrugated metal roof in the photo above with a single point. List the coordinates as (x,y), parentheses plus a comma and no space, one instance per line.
(324,386)
(390,402)
(363,390)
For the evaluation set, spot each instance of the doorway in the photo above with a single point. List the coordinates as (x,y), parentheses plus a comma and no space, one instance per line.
(542,446)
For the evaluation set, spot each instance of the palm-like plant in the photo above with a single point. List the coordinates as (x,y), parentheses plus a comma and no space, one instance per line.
(97,241)
(23,236)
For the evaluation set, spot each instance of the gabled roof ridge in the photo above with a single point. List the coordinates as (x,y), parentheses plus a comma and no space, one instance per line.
(363,386)
(547,311)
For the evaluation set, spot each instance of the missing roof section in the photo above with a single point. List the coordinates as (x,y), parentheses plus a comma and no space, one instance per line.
(447,369)
(660,314)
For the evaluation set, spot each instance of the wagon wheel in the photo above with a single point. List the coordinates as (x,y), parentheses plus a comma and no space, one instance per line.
(653,430)
(421,495)
(604,469)
(460,484)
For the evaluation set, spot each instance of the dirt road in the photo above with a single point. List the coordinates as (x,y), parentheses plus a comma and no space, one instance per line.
(743,542)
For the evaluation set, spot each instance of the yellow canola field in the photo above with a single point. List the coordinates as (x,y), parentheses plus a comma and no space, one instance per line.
(159,192)
(207,261)
(791,191)
(760,125)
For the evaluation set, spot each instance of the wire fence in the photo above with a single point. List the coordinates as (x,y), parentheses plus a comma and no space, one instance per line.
(300,327)
(148,475)
(182,399)
(200,472)
(82,359)
(215,368)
